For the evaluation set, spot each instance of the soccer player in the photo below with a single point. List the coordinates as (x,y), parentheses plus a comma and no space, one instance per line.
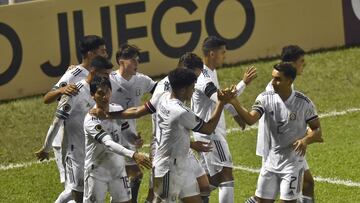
(128,88)
(217,163)
(104,160)
(173,176)
(71,112)
(90,46)
(294,55)
(287,113)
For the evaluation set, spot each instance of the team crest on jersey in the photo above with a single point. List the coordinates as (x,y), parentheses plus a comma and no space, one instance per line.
(138,91)
(92,198)
(98,127)
(257,102)
(66,107)
(292,116)
(62,84)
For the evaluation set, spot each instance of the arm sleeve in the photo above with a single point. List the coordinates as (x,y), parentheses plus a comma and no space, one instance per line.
(149,84)
(64,80)
(259,105)
(115,147)
(190,121)
(64,107)
(240,87)
(52,132)
(310,113)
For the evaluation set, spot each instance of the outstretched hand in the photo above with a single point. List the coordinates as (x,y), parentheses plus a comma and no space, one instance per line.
(249,75)
(41,154)
(142,160)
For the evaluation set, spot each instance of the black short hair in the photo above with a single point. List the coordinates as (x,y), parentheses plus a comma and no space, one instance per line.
(181,78)
(291,53)
(98,82)
(286,68)
(212,43)
(100,62)
(127,51)
(90,43)
(190,61)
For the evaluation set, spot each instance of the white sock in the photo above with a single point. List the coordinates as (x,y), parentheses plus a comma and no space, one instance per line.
(71,201)
(64,197)
(226,192)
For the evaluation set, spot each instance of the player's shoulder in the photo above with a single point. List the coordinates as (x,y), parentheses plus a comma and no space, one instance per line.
(91,121)
(141,76)
(302,97)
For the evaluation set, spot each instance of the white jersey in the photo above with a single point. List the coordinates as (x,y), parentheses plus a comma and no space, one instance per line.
(100,161)
(286,122)
(263,135)
(73,109)
(203,102)
(70,77)
(129,93)
(174,122)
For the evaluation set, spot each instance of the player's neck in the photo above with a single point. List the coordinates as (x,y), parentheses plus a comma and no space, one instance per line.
(208,63)
(123,74)
(176,96)
(86,64)
(105,107)
(285,94)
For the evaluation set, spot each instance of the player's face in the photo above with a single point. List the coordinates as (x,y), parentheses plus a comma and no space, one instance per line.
(218,56)
(189,91)
(101,51)
(280,82)
(102,96)
(130,65)
(299,64)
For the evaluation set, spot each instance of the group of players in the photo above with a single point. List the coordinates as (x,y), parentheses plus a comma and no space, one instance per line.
(95,140)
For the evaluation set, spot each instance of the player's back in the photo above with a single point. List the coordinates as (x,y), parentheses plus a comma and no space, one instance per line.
(172,138)
(99,161)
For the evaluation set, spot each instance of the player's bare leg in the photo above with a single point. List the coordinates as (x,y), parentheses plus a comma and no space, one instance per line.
(224,180)
(260,200)
(78,196)
(204,186)
(192,199)
(136,176)
(308,188)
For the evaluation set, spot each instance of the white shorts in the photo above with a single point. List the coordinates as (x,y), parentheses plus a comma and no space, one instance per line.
(214,161)
(74,174)
(175,184)
(95,190)
(59,163)
(288,184)
(195,165)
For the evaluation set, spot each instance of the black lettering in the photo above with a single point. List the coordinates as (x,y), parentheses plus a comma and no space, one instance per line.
(105,27)
(125,33)
(47,67)
(194,27)
(16,60)
(244,36)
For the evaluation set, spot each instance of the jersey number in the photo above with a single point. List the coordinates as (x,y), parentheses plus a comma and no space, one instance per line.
(159,126)
(280,124)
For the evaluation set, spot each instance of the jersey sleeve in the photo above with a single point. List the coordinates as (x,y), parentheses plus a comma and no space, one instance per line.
(310,113)
(64,80)
(94,129)
(259,104)
(65,107)
(149,84)
(152,103)
(190,121)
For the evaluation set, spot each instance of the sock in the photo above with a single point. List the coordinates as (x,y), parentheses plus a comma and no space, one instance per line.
(205,199)
(64,197)
(147,201)
(305,199)
(71,201)
(226,192)
(135,186)
(251,200)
